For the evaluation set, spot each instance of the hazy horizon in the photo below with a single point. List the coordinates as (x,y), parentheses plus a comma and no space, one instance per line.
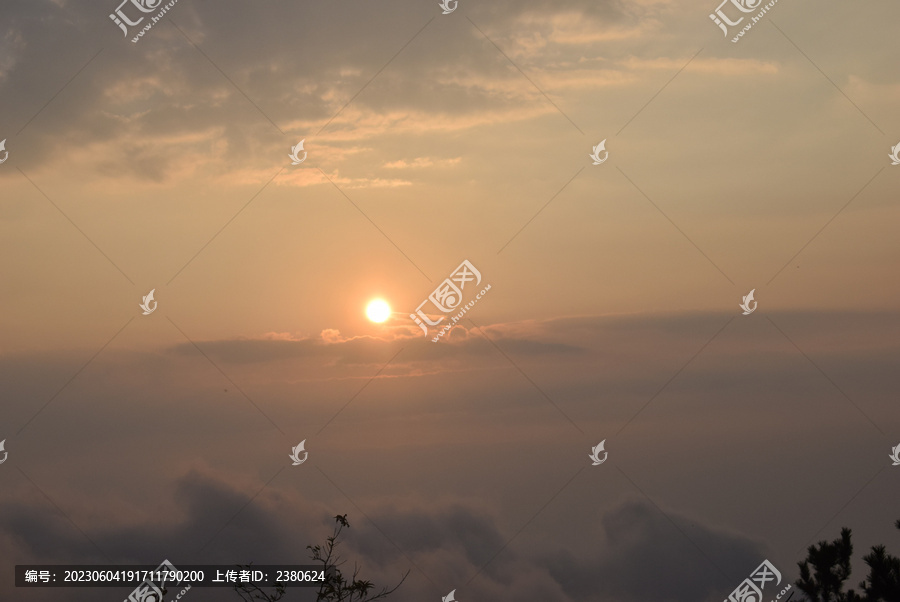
(613,315)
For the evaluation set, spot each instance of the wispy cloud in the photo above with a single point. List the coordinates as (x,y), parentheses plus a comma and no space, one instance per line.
(420,162)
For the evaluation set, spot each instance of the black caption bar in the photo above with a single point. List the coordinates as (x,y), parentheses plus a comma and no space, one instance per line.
(194,575)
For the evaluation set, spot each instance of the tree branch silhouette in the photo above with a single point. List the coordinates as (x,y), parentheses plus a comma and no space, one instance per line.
(336,587)
(827,568)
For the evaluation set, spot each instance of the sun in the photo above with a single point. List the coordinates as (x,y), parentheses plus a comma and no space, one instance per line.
(378,310)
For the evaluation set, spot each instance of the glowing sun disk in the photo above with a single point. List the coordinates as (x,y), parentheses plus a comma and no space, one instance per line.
(378,311)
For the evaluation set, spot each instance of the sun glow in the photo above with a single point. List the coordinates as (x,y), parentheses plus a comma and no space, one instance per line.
(378,310)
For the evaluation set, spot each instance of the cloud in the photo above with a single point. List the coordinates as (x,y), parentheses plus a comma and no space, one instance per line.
(522,338)
(641,342)
(637,560)
(313,177)
(417,162)
(420,162)
(628,558)
(165,114)
(204,504)
(408,453)
(742,67)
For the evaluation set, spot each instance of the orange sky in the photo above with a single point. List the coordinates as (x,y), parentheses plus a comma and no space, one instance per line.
(432,139)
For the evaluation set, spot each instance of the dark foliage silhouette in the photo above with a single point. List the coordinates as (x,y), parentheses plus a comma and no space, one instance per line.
(827,568)
(337,587)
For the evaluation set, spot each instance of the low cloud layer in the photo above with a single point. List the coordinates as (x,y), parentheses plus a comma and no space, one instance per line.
(630,554)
